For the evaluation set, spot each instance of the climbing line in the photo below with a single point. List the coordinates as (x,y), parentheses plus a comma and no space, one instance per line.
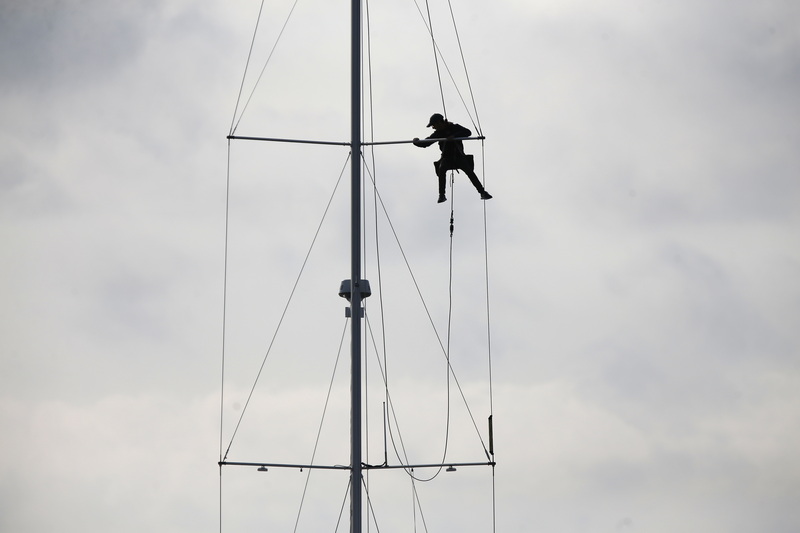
(444,349)
(408,265)
(389,403)
(401,454)
(433,326)
(489,452)
(381,355)
(286,308)
(402,457)
(447,347)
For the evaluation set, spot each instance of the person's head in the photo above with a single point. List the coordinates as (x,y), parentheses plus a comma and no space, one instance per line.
(436,121)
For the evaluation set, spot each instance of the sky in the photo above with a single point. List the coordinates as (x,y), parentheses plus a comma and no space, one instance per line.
(643,264)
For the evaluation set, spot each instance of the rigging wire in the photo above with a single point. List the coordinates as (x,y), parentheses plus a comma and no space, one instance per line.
(286,308)
(452,173)
(263,69)
(488,292)
(489,345)
(435,56)
(466,71)
(439,55)
(344,502)
(430,320)
(404,460)
(478,127)
(224,299)
(244,74)
(321,422)
(224,322)
(494,500)
(368,103)
(376,200)
(370,507)
(418,505)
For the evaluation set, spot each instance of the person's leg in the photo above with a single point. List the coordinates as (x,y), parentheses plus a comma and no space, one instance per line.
(474,179)
(441,173)
(477,184)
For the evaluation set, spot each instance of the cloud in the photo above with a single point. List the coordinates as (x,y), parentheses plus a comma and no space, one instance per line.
(122,462)
(642,262)
(53,45)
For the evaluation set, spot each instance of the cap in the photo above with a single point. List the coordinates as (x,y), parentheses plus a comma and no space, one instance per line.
(435,119)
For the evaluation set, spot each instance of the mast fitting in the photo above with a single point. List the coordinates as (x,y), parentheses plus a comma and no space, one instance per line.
(345,291)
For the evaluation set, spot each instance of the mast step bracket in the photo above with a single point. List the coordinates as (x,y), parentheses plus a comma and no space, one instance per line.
(349,314)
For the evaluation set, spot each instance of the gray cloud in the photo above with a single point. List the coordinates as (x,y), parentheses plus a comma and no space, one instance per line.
(55,45)
(643,259)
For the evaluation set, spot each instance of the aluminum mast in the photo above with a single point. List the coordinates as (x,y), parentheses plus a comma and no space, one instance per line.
(355,270)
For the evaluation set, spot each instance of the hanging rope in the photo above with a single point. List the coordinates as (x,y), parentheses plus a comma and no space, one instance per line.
(451,372)
(476,123)
(404,459)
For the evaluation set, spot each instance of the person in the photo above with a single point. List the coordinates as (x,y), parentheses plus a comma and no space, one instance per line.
(453,156)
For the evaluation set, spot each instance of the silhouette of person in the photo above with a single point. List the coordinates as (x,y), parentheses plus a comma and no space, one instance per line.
(453,156)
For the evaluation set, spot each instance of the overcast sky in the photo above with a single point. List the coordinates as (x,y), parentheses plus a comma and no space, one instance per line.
(644,263)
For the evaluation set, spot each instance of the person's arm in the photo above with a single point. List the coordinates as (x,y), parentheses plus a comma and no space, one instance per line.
(459,131)
(424,143)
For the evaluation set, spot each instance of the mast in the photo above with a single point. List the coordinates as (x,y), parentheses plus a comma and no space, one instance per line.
(355,269)
(355,289)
